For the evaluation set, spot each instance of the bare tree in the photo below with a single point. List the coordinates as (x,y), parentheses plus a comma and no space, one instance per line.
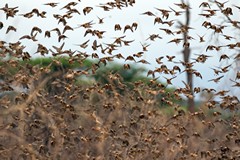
(186,56)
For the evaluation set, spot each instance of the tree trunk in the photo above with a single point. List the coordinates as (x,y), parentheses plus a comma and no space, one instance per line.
(186,56)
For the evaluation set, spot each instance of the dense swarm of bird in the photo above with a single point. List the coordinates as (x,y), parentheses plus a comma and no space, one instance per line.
(55,117)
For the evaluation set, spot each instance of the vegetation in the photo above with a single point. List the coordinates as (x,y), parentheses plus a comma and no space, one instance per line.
(81,104)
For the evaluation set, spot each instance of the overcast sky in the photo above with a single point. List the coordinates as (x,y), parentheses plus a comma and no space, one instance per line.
(126,16)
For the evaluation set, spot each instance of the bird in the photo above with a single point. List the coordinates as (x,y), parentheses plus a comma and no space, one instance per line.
(127,27)
(100,20)
(148,13)
(84,44)
(87,10)
(165,13)
(170,58)
(216,80)
(167,31)
(117,27)
(169,80)
(1,25)
(32,37)
(201,38)
(152,37)
(223,56)
(144,46)
(11,28)
(205,5)
(52,4)
(176,40)
(177,13)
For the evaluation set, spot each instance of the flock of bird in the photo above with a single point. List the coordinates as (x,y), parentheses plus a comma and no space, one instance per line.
(120,124)
(101,49)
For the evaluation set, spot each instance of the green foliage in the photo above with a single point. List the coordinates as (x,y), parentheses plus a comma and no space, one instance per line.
(131,75)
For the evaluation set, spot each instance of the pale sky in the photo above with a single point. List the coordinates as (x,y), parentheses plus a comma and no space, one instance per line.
(159,47)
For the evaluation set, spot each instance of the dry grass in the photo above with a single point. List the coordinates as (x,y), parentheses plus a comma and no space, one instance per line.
(97,122)
(55,116)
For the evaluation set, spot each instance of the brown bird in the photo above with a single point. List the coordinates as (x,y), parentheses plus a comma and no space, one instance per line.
(95,55)
(100,20)
(9,11)
(84,44)
(209,90)
(32,37)
(157,20)
(69,5)
(237,75)
(216,71)
(228,37)
(138,55)
(202,58)
(201,38)
(165,13)
(42,50)
(119,56)
(86,25)
(225,69)
(66,28)
(206,15)
(130,58)
(169,80)
(222,92)
(177,68)
(177,13)
(170,58)
(56,30)
(59,49)
(126,43)
(134,25)
(87,10)
(52,4)
(167,31)
(151,72)
(223,56)
(117,27)
(205,5)
(98,33)
(182,5)
(143,61)
(176,40)
(158,60)
(47,34)
(11,28)
(127,27)
(152,37)
(126,66)
(27,15)
(87,32)
(169,23)
(221,5)
(144,46)
(36,29)
(197,74)
(216,80)
(148,13)
(1,25)
(95,45)
(105,8)
(212,12)
(237,84)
